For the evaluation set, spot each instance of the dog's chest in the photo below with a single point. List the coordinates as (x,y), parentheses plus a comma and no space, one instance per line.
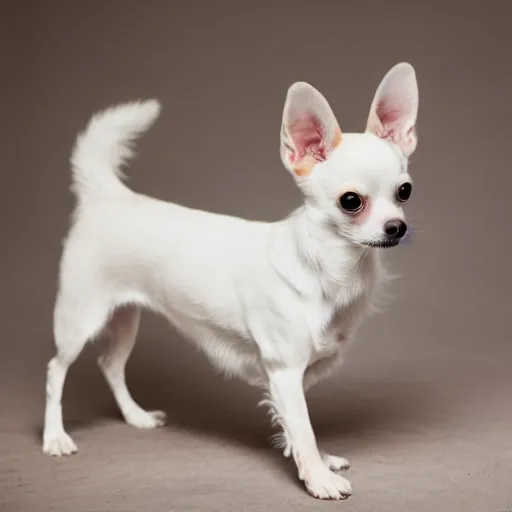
(336,313)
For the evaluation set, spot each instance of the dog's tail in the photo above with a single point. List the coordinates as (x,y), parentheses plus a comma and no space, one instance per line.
(106,144)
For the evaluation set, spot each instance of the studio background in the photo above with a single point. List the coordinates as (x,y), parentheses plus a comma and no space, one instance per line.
(422,408)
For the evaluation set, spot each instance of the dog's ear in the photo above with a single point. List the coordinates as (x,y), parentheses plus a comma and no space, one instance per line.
(309,130)
(395,108)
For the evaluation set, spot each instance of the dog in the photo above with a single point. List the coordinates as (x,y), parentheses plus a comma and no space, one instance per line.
(275,304)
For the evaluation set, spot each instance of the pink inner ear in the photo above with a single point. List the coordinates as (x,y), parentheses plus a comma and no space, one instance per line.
(389,115)
(307,136)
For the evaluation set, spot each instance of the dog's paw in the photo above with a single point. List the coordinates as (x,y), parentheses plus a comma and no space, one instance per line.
(335,463)
(322,483)
(59,445)
(146,419)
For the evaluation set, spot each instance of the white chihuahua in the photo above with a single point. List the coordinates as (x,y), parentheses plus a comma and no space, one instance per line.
(274,304)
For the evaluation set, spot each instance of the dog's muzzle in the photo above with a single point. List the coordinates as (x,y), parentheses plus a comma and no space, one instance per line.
(394,232)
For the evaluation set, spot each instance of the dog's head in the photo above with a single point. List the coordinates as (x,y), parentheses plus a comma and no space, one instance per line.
(358,182)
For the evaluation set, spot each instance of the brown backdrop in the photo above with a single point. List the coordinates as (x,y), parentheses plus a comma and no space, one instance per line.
(422,407)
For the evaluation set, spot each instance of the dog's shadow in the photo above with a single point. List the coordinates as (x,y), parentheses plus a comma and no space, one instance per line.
(170,375)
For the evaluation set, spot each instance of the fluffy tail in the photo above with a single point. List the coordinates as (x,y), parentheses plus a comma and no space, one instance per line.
(106,144)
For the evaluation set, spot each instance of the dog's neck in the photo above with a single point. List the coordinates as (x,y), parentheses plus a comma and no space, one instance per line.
(336,262)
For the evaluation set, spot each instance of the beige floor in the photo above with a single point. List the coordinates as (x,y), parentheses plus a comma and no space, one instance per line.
(426,425)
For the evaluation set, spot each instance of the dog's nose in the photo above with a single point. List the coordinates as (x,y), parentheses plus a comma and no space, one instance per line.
(395,228)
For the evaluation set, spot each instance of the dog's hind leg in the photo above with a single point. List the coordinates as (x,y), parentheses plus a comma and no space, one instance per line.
(123,328)
(75,323)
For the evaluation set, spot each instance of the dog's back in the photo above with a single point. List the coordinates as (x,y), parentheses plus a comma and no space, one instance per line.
(130,243)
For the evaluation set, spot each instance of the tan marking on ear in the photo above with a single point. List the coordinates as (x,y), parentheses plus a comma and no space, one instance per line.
(305,167)
(337,138)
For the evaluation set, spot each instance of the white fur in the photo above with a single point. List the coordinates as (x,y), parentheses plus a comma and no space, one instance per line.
(275,304)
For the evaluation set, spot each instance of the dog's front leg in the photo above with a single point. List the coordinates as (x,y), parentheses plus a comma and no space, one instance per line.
(287,397)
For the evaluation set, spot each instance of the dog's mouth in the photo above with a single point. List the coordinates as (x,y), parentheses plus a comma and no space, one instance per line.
(381,244)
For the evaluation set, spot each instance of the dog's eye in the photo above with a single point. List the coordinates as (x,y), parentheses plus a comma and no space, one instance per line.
(351,202)
(404,192)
